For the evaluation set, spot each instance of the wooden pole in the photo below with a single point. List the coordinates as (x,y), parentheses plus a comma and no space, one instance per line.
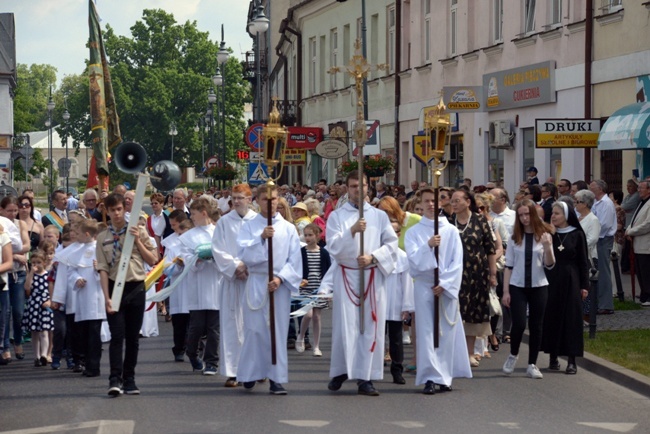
(436,271)
(269,243)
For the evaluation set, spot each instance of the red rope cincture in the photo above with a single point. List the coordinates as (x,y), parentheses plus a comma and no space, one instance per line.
(369,293)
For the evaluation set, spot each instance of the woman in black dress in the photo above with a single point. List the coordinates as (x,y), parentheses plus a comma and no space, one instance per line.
(568,283)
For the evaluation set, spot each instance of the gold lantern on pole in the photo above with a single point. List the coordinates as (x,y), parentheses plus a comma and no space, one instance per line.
(437,125)
(275,137)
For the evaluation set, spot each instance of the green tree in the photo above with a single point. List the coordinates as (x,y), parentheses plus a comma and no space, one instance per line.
(39,168)
(31,96)
(162,75)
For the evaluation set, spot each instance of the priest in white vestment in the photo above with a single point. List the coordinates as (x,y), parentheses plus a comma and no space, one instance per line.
(437,366)
(255,357)
(234,275)
(356,355)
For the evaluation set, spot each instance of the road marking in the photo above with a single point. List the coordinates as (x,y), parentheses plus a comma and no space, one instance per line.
(509,425)
(103,427)
(306,423)
(408,424)
(616,427)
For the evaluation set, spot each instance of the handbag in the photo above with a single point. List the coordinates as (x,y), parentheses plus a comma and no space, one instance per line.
(494,302)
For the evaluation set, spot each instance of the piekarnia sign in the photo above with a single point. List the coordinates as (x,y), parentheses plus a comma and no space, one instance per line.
(567,133)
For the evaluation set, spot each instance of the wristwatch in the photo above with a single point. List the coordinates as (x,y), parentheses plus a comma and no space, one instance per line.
(374,260)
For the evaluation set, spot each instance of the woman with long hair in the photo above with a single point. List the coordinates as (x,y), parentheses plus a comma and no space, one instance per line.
(568,287)
(529,254)
(26,215)
(479,268)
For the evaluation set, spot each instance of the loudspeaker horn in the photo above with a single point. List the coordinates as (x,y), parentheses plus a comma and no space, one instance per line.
(165,175)
(130,157)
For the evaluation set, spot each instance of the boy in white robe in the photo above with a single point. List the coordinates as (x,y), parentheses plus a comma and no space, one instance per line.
(204,300)
(437,366)
(65,342)
(255,362)
(234,275)
(89,298)
(355,355)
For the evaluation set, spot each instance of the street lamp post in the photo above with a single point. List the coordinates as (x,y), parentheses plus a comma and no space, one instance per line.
(212,99)
(173,132)
(222,58)
(258,25)
(66,118)
(48,124)
(198,128)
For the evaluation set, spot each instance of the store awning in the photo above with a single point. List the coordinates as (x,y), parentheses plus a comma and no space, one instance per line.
(627,128)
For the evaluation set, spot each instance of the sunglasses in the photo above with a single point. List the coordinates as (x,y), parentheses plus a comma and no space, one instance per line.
(24,205)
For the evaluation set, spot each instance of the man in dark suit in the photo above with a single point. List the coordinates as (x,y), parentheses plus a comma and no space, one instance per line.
(548,198)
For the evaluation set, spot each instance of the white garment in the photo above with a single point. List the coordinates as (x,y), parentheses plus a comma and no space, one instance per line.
(450,359)
(178,299)
(360,356)
(507,217)
(149,321)
(223,204)
(63,292)
(591,226)
(14,234)
(205,293)
(516,260)
(605,210)
(255,356)
(89,299)
(224,251)
(158,224)
(399,289)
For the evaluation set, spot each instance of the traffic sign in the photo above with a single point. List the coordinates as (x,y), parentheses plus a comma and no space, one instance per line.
(254,137)
(257,173)
(211,162)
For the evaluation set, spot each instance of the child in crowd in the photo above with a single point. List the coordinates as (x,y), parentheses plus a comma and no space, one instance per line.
(38,317)
(51,233)
(89,299)
(49,248)
(315,263)
(64,308)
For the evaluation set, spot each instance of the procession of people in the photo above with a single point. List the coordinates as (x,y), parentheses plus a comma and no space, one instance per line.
(467,273)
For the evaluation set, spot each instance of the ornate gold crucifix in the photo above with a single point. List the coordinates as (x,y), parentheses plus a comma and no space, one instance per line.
(359,68)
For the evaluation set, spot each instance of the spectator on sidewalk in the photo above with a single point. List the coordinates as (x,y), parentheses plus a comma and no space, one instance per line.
(639,233)
(606,212)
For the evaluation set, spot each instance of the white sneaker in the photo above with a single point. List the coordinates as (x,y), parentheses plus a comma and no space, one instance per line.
(509,365)
(406,338)
(317,353)
(300,346)
(533,372)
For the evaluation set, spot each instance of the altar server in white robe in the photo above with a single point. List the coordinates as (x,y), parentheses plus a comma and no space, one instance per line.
(204,298)
(90,306)
(355,355)
(440,365)
(255,357)
(178,299)
(234,275)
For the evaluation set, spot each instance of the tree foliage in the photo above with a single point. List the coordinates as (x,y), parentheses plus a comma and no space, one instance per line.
(31,96)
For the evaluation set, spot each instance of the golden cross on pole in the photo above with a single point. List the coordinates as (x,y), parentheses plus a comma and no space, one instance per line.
(359,68)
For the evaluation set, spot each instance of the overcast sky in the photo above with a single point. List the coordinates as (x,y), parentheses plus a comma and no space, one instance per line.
(55,32)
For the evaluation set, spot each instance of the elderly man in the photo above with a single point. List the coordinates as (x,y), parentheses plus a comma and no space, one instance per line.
(90,199)
(605,210)
(501,211)
(58,216)
(639,232)
(120,189)
(179,201)
(287,192)
(381,190)
(414,189)
(563,187)
(224,206)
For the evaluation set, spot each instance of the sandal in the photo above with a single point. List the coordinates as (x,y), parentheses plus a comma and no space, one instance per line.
(20,353)
(506,339)
(494,347)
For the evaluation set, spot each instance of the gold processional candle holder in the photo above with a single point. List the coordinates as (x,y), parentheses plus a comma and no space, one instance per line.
(275,137)
(437,125)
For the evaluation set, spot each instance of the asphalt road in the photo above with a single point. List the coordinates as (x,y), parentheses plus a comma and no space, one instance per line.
(176,400)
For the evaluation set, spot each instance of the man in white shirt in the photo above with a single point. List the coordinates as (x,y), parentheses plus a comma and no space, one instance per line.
(605,210)
(223,201)
(179,201)
(501,211)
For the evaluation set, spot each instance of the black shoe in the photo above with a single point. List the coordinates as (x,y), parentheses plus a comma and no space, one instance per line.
(398,379)
(90,374)
(554,365)
(129,387)
(336,382)
(79,368)
(248,385)
(429,388)
(114,386)
(37,363)
(366,388)
(197,364)
(43,361)
(571,369)
(444,388)
(179,357)
(277,389)
(291,344)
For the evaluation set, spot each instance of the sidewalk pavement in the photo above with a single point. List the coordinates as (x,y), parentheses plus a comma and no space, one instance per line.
(620,320)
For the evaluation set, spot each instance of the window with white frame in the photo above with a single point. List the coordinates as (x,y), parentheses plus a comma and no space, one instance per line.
(611,5)
(359,29)
(453,28)
(312,66)
(334,52)
(529,16)
(347,43)
(556,11)
(497,21)
(391,28)
(426,34)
